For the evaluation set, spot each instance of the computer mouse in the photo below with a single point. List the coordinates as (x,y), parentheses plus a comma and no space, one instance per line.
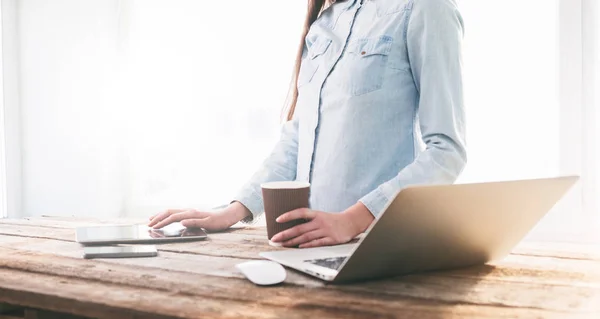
(262,272)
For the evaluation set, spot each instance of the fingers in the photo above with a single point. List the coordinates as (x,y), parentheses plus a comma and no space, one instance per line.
(304,238)
(177,217)
(297,214)
(160,216)
(294,232)
(210,223)
(196,223)
(324,241)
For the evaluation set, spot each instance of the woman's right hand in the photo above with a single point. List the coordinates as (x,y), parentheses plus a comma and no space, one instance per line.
(214,221)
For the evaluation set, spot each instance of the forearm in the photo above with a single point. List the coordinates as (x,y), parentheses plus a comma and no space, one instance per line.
(433,166)
(236,212)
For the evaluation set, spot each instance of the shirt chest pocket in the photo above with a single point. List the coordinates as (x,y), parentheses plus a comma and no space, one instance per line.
(312,60)
(367,61)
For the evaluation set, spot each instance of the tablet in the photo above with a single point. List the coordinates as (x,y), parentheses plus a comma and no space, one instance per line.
(127,234)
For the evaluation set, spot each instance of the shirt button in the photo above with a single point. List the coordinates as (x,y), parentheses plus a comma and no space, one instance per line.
(363,53)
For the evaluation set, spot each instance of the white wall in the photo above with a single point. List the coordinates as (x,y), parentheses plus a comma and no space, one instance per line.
(70,145)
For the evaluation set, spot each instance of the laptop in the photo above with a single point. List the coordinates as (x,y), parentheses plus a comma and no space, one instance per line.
(436,227)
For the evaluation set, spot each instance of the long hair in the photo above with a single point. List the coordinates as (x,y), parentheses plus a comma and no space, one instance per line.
(314,9)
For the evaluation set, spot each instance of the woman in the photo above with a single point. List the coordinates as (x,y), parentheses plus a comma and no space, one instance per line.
(374,80)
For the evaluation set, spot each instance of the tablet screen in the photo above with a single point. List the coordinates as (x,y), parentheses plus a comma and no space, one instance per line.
(137,233)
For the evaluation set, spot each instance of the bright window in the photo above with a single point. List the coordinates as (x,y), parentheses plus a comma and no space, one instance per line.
(511,72)
(205,91)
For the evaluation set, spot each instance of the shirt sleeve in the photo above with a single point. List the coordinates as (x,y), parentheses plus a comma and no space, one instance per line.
(434,35)
(279,166)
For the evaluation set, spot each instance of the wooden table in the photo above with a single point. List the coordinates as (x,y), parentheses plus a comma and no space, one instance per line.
(41,271)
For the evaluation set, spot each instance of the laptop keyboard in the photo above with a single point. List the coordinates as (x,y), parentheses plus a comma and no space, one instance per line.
(333,263)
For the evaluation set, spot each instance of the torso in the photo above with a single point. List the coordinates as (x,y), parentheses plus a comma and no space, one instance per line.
(357,101)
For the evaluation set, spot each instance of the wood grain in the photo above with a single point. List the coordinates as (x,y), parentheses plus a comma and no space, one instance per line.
(76,287)
(41,267)
(231,244)
(248,242)
(187,255)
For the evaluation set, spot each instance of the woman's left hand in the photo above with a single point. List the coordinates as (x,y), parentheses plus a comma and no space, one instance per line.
(323,229)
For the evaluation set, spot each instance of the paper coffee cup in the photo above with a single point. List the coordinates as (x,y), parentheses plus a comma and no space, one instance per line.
(280,198)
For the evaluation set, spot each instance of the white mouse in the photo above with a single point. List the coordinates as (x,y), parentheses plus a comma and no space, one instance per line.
(262,272)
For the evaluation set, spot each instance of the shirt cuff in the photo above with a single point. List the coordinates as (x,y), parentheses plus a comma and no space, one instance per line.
(376,201)
(253,202)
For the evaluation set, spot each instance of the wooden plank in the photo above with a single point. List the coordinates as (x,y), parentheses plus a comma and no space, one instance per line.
(68,234)
(119,289)
(251,236)
(552,269)
(516,268)
(66,222)
(226,245)
(231,244)
(103,300)
(542,249)
(197,263)
(258,229)
(540,272)
(225,268)
(577,274)
(431,287)
(238,244)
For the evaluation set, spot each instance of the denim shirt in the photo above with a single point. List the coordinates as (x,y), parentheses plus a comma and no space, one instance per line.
(380,106)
